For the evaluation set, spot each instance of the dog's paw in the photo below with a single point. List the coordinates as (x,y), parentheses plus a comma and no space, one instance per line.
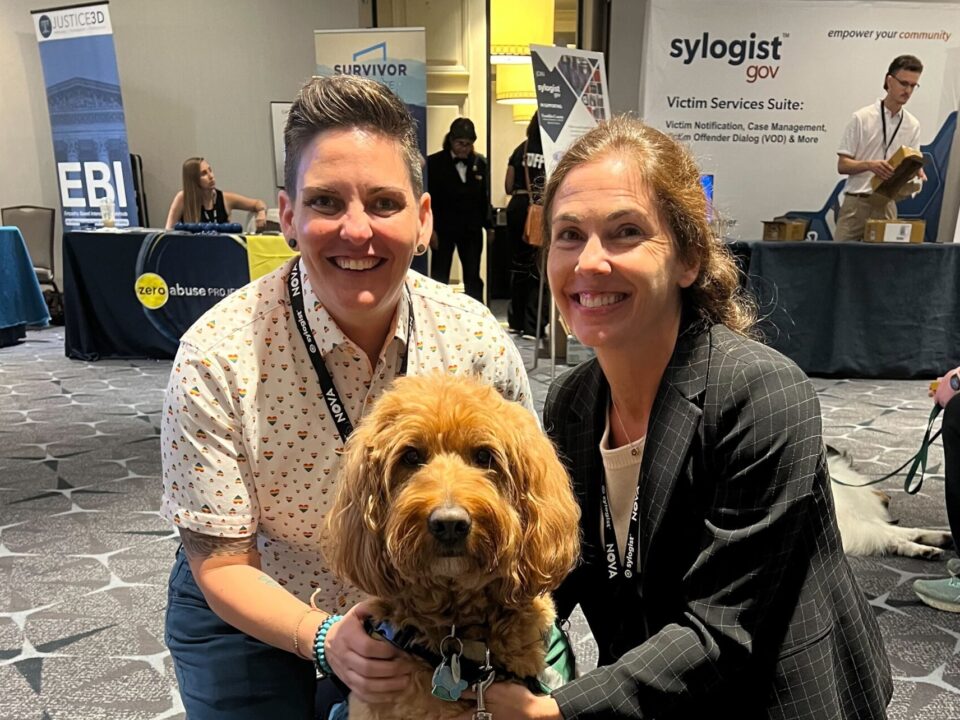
(930,553)
(934,538)
(908,548)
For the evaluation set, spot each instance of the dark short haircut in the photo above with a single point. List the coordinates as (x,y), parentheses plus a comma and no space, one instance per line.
(345,102)
(910,63)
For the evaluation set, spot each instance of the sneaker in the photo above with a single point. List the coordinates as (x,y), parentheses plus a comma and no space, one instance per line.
(953,566)
(942,594)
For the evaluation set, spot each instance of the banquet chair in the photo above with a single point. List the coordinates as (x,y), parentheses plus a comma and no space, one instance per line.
(36,226)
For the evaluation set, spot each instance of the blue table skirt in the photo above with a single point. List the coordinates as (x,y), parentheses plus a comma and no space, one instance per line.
(21,301)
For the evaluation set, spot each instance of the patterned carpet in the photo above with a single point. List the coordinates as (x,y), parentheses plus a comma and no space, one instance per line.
(84,556)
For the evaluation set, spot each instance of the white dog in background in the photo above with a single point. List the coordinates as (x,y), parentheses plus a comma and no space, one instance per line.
(866,527)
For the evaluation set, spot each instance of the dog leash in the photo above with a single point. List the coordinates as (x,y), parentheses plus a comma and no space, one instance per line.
(919,460)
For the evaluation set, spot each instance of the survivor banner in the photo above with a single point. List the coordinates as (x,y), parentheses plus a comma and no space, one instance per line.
(397,57)
(86,114)
(572,96)
(762,93)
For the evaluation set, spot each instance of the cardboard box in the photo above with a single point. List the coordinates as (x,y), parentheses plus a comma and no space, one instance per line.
(894,231)
(784,229)
(907,163)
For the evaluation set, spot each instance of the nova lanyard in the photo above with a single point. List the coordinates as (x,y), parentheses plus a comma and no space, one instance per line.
(883,119)
(330,394)
(616,569)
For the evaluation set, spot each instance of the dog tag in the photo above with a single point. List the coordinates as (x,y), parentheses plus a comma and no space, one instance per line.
(455,667)
(445,687)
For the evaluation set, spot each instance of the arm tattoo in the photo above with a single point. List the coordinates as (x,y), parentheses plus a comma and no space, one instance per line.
(197,545)
(268,581)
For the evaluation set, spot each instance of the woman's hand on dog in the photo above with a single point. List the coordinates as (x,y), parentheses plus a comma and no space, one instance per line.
(513,701)
(374,670)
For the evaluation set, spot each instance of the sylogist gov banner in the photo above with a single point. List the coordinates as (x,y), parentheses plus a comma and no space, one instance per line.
(762,92)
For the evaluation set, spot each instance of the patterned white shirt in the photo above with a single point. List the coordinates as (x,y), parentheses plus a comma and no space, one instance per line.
(247,441)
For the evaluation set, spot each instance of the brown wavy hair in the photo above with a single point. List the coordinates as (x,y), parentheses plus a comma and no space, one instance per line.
(715,296)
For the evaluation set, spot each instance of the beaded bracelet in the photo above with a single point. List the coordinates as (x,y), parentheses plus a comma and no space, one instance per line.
(319,651)
(296,633)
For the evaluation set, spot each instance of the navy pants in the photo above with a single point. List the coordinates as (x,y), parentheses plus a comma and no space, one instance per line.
(226,674)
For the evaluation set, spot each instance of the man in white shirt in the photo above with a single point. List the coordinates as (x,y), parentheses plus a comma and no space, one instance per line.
(874,134)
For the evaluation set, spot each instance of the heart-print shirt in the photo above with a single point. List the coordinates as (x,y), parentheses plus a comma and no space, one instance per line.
(248,444)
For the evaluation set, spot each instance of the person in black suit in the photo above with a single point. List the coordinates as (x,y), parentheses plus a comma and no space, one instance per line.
(460,194)
(712,574)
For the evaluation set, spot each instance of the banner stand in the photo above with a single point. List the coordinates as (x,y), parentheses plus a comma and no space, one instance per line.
(572,98)
(86,115)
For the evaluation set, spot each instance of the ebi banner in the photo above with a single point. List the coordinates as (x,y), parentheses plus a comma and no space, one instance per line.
(86,113)
(762,92)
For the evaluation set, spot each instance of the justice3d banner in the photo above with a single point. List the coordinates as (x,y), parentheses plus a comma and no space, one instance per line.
(86,114)
(572,96)
(762,92)
(397,57)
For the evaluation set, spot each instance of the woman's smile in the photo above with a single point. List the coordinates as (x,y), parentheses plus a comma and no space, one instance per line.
(593,300)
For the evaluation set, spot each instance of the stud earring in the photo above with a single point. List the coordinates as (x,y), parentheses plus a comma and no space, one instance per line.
(420,249)
(292,242)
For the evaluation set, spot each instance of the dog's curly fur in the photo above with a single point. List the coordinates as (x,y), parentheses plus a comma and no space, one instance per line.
(439,442)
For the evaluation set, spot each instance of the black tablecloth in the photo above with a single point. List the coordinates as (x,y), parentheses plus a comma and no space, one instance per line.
(104,318)
(12,334)
(864,310)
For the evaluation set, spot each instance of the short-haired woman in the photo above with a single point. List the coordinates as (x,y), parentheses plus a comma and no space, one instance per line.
(264,392)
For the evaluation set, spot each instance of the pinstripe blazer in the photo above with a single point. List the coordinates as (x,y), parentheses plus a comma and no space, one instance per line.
(744,606)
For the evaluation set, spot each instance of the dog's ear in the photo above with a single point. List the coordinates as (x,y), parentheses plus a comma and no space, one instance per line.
(551,533)
(353,539)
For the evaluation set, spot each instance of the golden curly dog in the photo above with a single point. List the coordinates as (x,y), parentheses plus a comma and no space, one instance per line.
(453,510)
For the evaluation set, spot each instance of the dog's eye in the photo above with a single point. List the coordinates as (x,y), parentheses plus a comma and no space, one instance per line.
(411,456)
(483,458)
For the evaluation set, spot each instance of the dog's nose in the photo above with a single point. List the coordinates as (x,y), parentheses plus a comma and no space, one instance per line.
(449,524)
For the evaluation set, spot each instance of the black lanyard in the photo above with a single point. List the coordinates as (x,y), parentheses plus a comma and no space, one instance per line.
(883,119)
(616,570)
(330,394)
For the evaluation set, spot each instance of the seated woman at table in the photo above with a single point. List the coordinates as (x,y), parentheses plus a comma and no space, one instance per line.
(201,201)
(712,574)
